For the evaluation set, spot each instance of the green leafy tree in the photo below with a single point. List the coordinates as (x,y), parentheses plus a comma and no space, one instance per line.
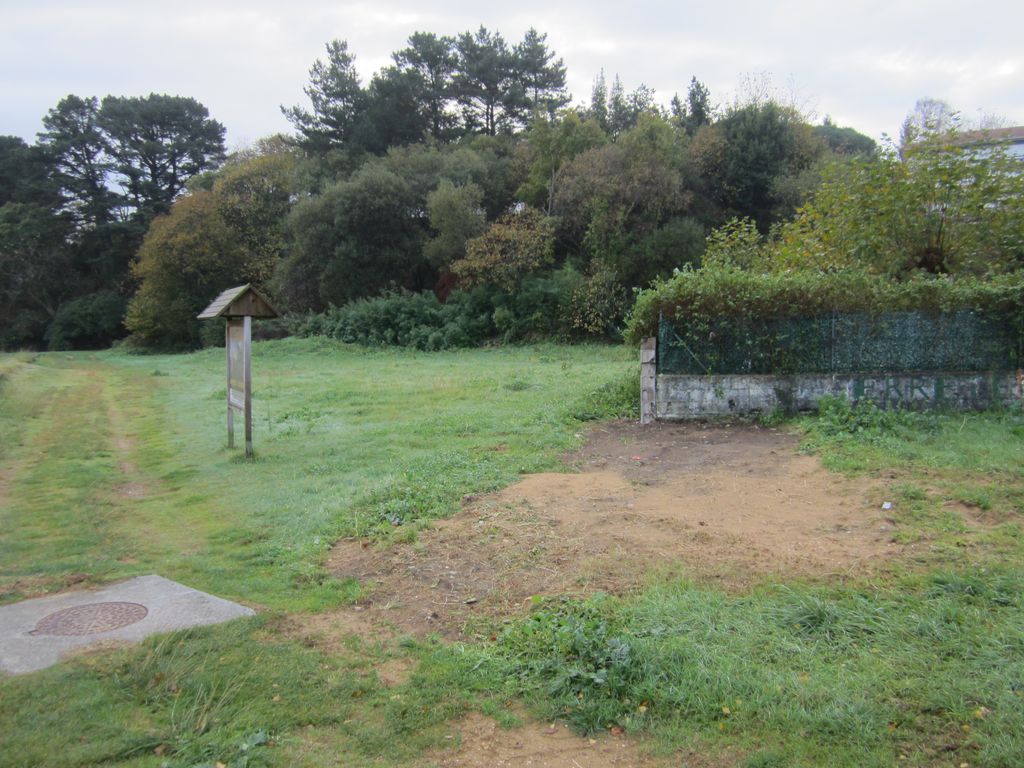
(105,237)
(485,81)
(503,174)
(356,239)
(336,97)
(88,322)
(187,257)
(157,144)
(80,152)
(597,305)
(253,196)
(744,155)
(36,260)
(512,247)
(68,238)
(945,209)
(735,244)
(26,173)
(845,141)
(618,108)
(611,198)
(677,111)
(432,59)
(625,109)
(552,143)
(394,112)
(456,216)
(486,161)
(698,106)
(541,76)
(240,215)
(598,109)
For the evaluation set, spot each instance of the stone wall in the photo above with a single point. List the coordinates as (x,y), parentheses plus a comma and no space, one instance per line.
(687,396)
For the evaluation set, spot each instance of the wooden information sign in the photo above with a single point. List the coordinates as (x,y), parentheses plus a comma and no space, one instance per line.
(238,306)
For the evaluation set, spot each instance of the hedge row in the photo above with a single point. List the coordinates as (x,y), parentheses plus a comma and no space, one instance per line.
(704,297)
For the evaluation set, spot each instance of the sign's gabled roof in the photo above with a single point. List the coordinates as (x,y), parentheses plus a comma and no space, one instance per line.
(236,302)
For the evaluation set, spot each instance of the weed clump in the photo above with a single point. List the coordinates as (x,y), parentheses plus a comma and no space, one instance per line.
(617,399)
(575,654)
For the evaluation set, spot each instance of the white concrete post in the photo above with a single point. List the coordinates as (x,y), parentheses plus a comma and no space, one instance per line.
(648,378)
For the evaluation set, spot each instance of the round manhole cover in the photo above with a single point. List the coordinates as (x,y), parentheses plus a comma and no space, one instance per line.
(90,619)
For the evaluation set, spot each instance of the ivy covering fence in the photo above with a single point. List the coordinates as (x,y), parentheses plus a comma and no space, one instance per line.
(732,322)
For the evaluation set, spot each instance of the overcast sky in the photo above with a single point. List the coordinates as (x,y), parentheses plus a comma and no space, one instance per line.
(862,63)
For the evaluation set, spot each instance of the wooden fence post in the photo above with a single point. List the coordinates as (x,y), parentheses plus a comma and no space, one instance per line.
(648,378)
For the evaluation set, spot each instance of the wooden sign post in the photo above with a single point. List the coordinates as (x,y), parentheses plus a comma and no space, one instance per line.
(238,306)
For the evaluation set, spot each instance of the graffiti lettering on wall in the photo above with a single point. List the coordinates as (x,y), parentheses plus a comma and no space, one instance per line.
(937,390)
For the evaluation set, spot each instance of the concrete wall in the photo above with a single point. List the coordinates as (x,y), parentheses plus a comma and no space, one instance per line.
(686,397)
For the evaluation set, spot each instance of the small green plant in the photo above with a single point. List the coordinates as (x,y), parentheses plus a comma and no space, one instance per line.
(618,399)
(772,418)
(838,419)
(575,654)
(976,496)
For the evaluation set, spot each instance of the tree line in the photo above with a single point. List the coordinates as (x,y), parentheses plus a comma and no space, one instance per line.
(462,166)
(75,206)
(440,87)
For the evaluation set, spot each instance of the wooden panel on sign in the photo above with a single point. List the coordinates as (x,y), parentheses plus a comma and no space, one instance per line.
(236,364)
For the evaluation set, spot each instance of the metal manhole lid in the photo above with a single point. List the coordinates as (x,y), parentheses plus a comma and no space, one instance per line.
(90,619)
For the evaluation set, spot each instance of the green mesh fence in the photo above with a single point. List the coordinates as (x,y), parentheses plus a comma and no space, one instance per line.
(841,343)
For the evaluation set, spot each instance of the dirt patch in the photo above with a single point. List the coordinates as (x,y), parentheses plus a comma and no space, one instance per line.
(395,672)
(333,631)
(27,586)
(479,741)
(350,632)
(130,470)
(724,505)
(6,475)
(131,490)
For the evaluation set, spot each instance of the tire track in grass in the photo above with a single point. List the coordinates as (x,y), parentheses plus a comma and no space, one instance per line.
(86,496)
(161,523)
(57,528)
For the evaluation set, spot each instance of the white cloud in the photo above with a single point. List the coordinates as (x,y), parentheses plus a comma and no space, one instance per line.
(864,63)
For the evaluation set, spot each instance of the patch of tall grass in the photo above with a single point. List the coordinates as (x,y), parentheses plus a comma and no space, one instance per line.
(853,677)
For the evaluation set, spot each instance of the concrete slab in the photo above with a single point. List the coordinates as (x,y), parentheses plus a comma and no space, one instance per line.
(35,633)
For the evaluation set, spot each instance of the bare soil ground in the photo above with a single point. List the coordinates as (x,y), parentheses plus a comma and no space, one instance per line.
(479,741)
(730,505)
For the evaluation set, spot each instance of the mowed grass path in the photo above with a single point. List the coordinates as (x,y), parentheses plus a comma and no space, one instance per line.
(115,465)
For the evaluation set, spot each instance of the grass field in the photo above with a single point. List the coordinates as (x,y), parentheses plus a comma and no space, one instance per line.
(114,465)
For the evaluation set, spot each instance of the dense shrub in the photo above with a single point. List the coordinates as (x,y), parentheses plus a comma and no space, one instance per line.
(88,322)
(407,319)
(542,308)
(598,306)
